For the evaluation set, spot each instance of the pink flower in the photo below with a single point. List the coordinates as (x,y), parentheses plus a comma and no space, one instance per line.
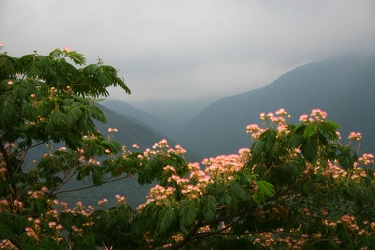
(244,151)
(319,113)
(314,112)
(164,141)
(252,128)
(355,136)
(281,112)
(324,114)
(66,49)
(52,224)
(303,118)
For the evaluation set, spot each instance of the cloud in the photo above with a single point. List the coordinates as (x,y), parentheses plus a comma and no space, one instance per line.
(188,49)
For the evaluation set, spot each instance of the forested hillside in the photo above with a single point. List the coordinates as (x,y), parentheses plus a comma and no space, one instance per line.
(344,87)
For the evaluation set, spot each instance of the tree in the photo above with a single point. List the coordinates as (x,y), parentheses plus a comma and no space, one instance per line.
(44,100)
(298,186)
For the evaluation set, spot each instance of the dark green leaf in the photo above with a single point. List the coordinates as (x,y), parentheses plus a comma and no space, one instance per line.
(209,207)
(188,213)
(167,216)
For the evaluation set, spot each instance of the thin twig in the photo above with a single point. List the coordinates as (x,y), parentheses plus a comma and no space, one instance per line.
(91,186)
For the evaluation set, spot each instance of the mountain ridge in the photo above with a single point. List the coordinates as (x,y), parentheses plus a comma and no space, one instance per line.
(329,84)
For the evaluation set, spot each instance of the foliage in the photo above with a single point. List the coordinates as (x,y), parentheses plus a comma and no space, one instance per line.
(298,186)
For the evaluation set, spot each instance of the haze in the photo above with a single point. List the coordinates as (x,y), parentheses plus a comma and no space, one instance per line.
(183,51)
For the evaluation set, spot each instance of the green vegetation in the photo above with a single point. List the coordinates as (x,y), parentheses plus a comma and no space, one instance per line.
(298,186)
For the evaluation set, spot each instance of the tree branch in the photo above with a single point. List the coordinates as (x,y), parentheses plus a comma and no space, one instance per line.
(91,186)
(289,189)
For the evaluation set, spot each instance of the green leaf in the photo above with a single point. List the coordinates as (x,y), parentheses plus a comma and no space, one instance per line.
(109,218)
(226,198)
(257,148)
(88,240)
(265,188)
(97,177)
(238,191)
(8,110)
(123,215)
(345,158)
(295,141)
(220,188)
(5,232)
(209,207)
(7,66)
(188,213)
(309,148)
(310,129)
(333,124)
(77,58)
(167,216)
(259,198)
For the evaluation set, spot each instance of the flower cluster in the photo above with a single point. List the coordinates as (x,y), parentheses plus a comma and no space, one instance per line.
(7,244)
(102,202)
(160,148)
(334,170)
(272,240)
(36,227)
(366,159)
(37,194)
(220,168)
(223,167)
(355,136)
(277,119)
(351,223)
(177,150)
(120,199)
(79,208)
(254,130)
(112,130)
(316,115)
(158,194)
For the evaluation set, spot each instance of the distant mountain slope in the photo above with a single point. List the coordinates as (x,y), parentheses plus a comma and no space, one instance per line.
(130,132)
(344,87)
(144,118)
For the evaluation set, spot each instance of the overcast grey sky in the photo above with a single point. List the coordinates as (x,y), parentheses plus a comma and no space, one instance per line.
(185,49)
